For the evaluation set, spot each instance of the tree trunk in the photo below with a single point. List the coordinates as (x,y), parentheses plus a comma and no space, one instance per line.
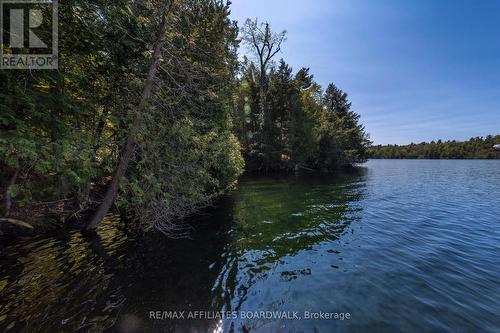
(113,188)
(262,97)
(8,199)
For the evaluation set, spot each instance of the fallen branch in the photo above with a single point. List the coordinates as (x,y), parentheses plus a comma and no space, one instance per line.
(52,202)
(19,223)
(298,166)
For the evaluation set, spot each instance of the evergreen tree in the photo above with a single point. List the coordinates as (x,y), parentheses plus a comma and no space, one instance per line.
(342,139)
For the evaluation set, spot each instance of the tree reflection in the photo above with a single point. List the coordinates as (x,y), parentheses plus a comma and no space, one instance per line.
(240,252)
(274,220)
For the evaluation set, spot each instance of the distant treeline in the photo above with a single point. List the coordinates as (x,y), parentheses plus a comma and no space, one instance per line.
(474,148)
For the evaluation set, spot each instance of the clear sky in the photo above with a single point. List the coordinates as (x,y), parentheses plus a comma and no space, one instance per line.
(414,70)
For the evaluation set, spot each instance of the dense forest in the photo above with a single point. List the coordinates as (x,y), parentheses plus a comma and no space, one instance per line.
(152,113)
(475,148)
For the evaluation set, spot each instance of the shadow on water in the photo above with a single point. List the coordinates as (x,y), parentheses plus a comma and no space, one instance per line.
(245,253)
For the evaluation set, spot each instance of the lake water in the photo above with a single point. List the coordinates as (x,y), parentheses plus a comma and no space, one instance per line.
(399,245)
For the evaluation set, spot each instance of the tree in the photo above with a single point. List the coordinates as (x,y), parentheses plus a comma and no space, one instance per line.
(265,44)
(187,153)
(246,108)
(109,198)
(342,140)
(303,137)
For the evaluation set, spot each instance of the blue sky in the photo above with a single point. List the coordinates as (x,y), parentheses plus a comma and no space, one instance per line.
(414,70)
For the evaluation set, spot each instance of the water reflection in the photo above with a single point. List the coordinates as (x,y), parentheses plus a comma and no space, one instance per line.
(274,221)
(402,246)
(244,254)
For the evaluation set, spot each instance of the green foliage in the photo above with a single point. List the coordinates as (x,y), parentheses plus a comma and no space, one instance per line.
(302,125)
(342,140)
(63,131)
(474,148)
(187,152)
